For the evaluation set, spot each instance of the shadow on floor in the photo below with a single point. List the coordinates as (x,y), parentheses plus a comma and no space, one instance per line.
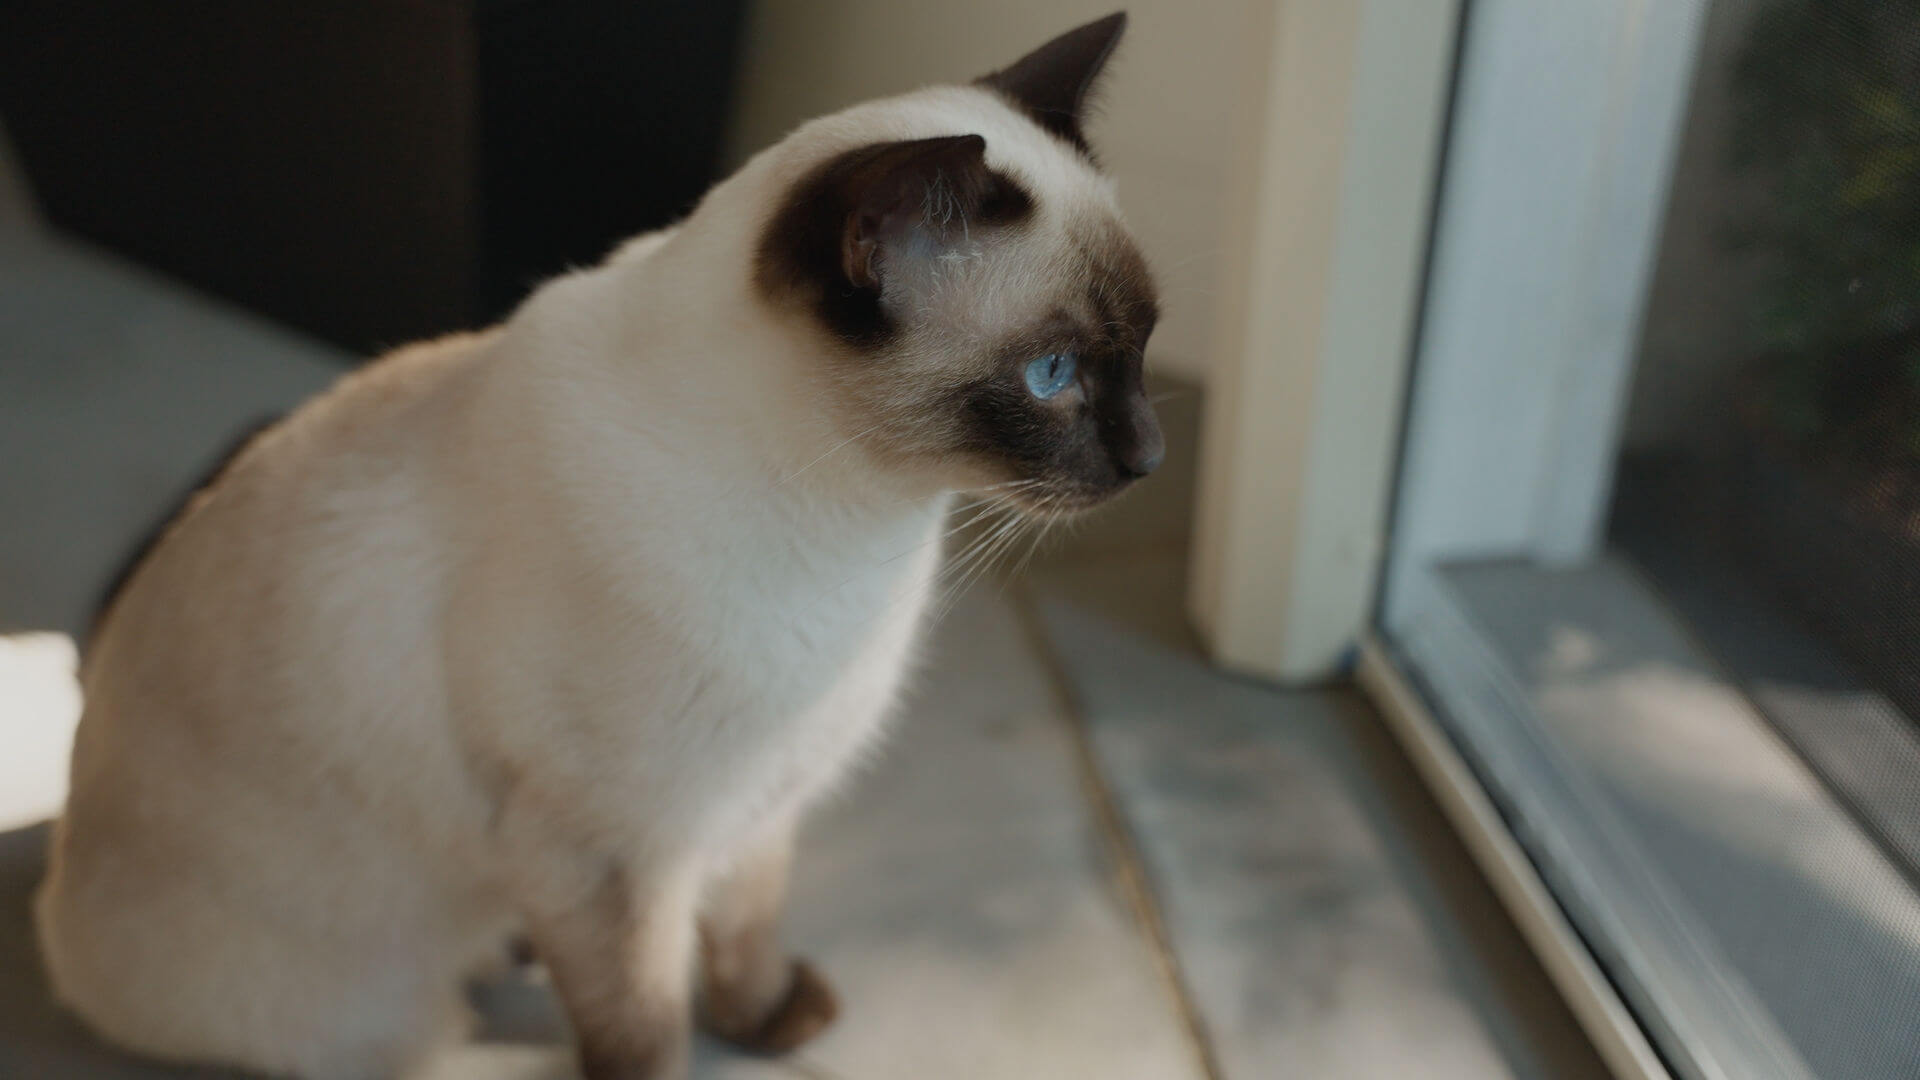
(1311,884)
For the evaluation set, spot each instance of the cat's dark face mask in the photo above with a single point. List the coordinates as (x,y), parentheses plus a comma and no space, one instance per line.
(1063,413)
(986,329)
(974,335)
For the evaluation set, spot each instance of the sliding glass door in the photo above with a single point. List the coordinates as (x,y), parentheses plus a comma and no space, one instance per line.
(1655,558)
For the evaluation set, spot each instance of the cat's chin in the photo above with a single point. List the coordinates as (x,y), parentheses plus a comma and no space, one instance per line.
(1063,503)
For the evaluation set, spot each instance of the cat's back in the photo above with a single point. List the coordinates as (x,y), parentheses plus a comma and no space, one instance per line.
(350,473)
(290,596)
(260,700)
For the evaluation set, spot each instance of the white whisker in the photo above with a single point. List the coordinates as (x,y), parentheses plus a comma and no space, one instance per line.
(836,448)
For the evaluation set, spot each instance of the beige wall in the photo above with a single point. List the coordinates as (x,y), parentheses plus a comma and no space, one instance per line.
(1165,128)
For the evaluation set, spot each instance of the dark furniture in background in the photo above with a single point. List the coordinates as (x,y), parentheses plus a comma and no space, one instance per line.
(371,171)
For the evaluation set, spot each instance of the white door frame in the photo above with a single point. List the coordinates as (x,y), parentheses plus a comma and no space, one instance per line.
(1321,277)
(1565,122)
(1560,141)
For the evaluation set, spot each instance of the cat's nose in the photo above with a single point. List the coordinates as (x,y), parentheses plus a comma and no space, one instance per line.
(1144,448)
(1144,460)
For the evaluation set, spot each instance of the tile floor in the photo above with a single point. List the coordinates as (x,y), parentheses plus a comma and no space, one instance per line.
(1086,855)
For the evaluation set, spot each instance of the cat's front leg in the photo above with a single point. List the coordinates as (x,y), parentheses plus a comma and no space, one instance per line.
(617,937)
(752,993)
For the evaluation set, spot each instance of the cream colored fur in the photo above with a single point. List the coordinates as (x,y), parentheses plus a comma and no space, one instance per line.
(509,629)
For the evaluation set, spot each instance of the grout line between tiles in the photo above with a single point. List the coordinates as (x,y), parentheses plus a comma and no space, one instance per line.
(1129,868)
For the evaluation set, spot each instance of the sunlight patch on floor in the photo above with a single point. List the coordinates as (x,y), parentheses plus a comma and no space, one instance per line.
(39,708)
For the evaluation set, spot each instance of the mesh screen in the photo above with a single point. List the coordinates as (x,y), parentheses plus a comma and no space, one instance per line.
(1770,477)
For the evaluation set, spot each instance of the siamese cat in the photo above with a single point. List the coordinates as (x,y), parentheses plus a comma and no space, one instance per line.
(557,629)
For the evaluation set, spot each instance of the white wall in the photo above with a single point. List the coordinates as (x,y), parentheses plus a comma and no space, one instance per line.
(1165,126)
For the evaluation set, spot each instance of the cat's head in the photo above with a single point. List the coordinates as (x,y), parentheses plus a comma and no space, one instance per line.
(960,255)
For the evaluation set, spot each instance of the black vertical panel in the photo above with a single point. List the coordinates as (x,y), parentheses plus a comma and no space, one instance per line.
(371,171)
(600,119)
(310,161)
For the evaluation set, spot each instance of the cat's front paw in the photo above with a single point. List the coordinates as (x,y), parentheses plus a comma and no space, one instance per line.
(807,1008)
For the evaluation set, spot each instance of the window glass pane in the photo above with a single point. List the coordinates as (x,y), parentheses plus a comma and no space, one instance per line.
(1694,692)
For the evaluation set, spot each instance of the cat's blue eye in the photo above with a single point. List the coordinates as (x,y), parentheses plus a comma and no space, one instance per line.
(1048,375)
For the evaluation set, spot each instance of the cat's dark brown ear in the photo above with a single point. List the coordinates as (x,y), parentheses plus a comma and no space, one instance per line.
(1053,82)
(913,194)
(874,211)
